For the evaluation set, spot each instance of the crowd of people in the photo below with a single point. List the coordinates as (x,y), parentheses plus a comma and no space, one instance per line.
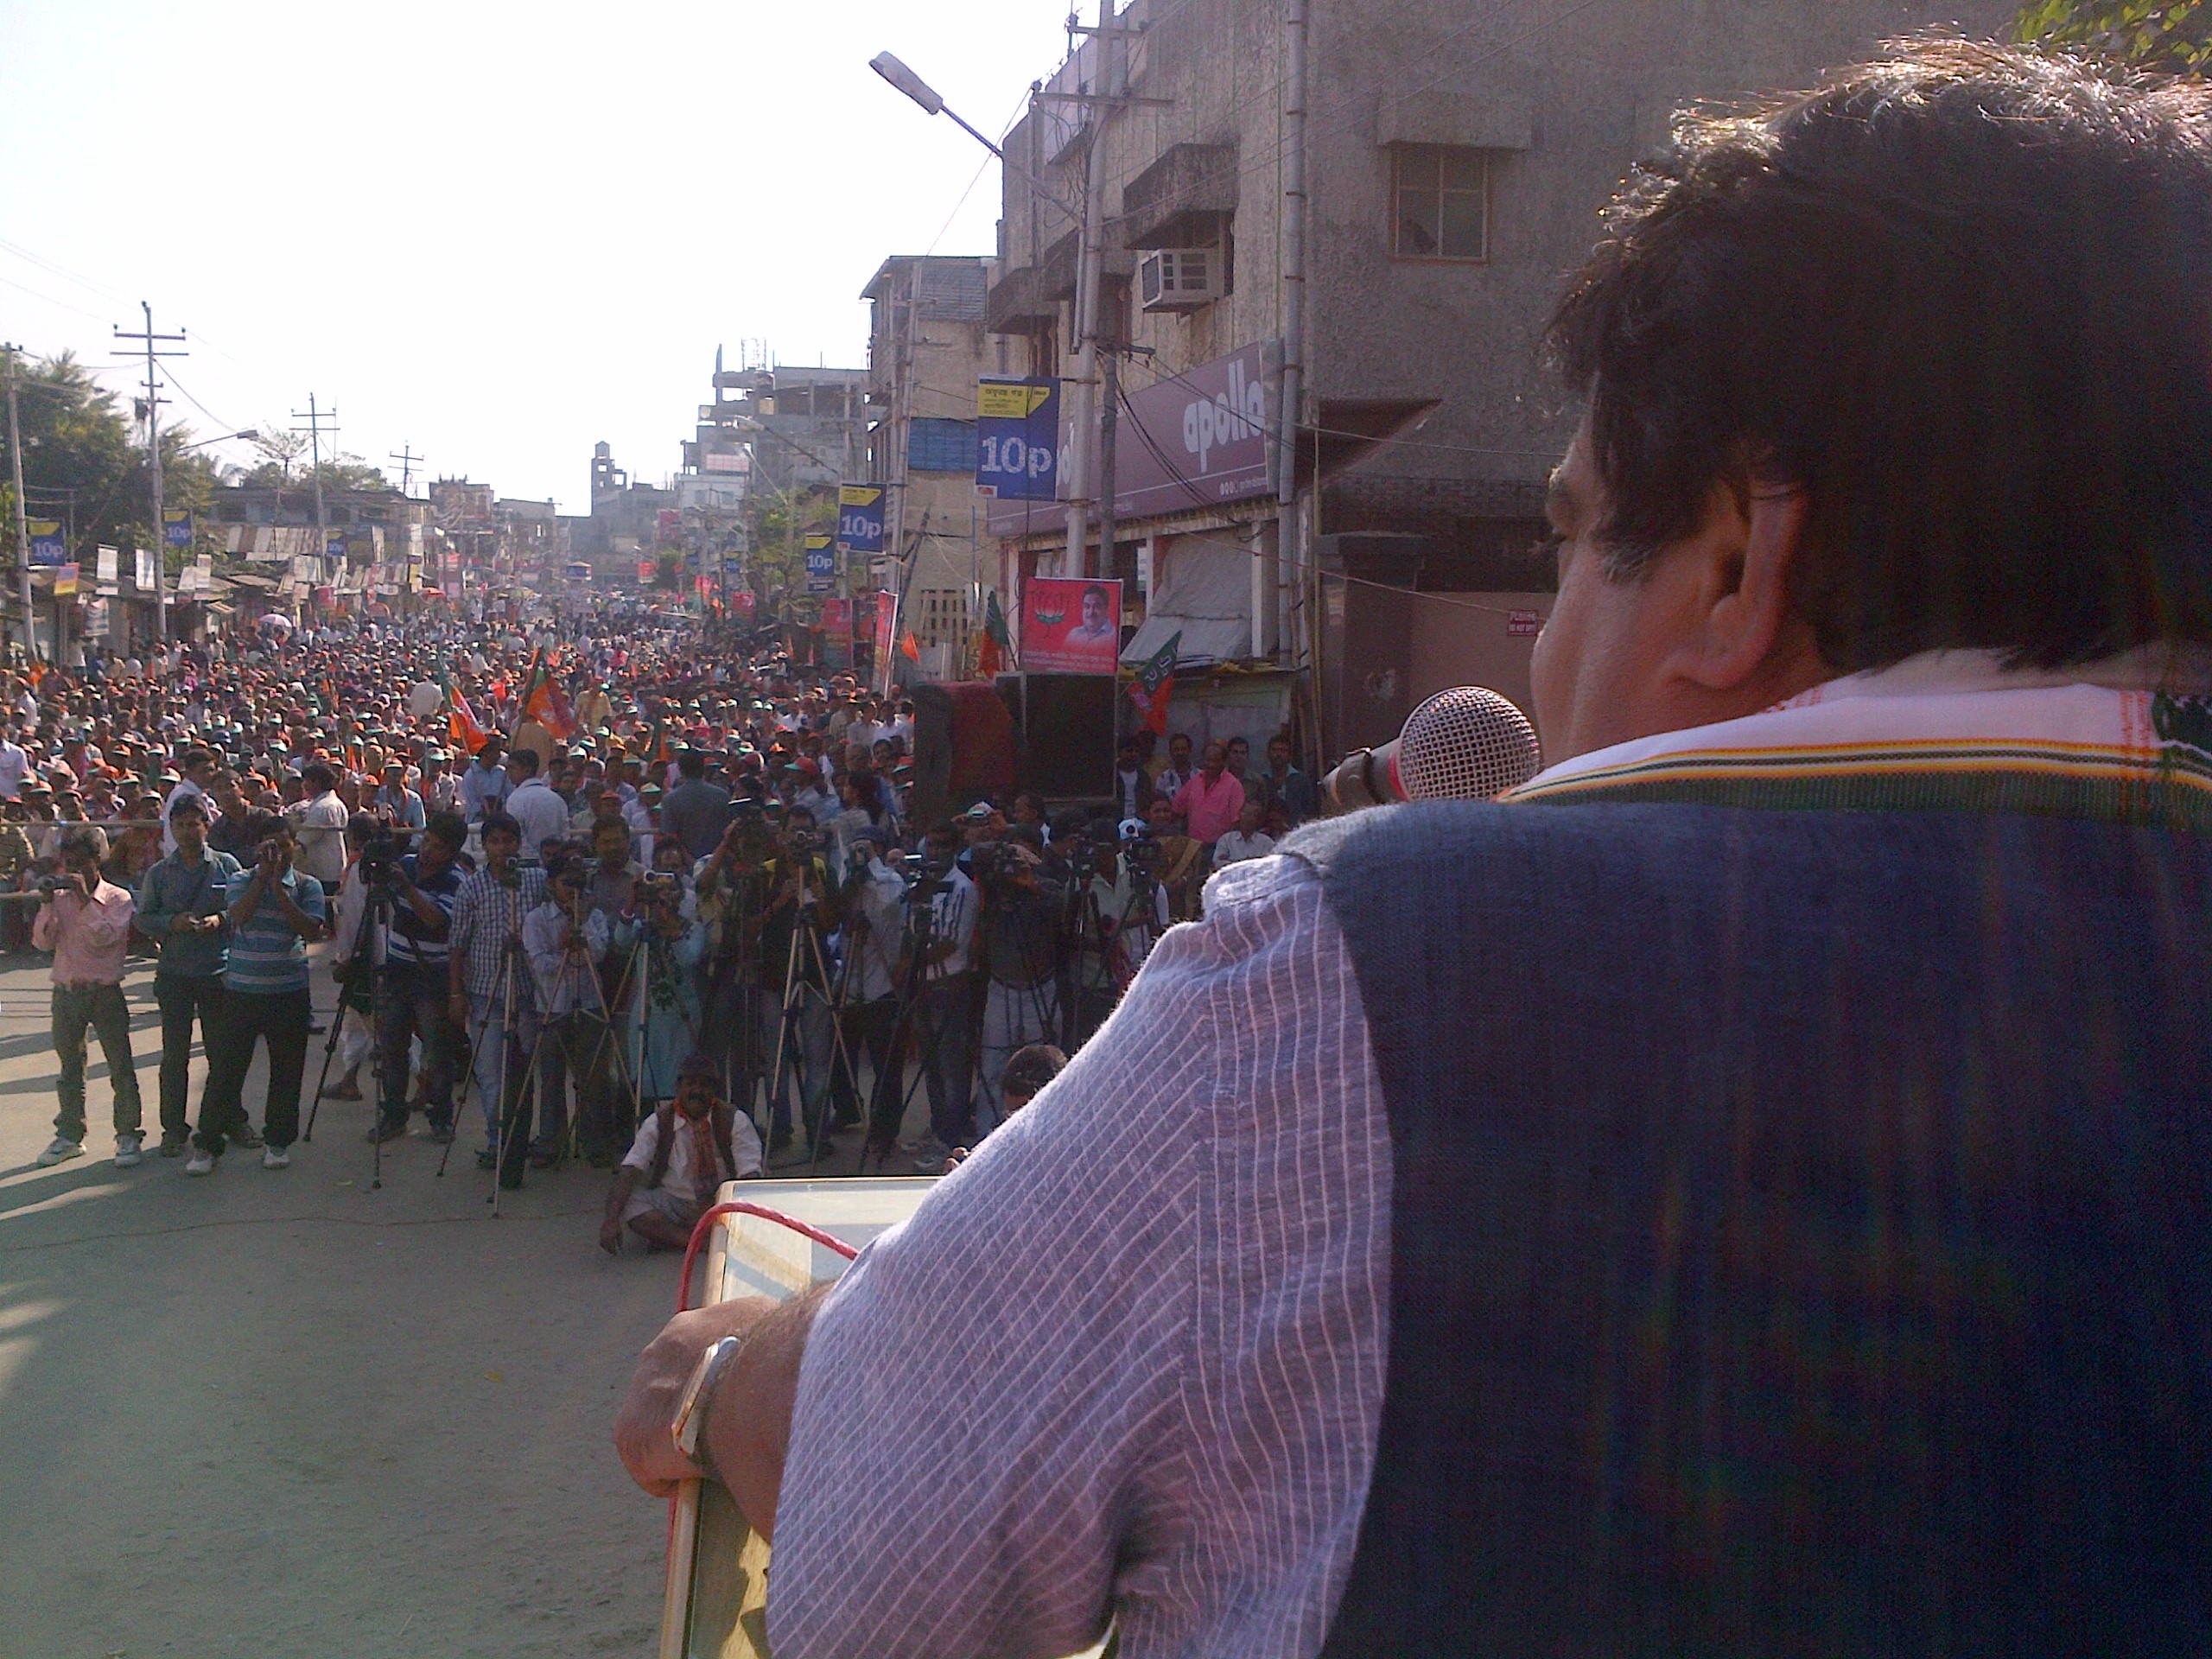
(594,877)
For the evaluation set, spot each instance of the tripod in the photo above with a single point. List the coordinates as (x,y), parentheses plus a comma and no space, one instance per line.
(894,1088)
(1016,1011)
(1093,987)
(576,971)
(806,972)
(363,964)
(508,987)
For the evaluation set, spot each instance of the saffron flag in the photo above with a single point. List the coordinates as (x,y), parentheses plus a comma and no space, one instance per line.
(992,652)
(1155,683)
(546,703)
(911,649)
(461,724)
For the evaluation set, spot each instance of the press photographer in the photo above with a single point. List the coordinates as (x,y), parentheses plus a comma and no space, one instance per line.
(802,909)
(874,905)
(86,922)
(411,903)
(1020,938)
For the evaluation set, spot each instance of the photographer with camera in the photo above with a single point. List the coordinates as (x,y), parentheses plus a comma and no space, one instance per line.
(488,987)
(874,907)
(273,911)
(802,909)
(414,895)
(944,999)
(730,890)
(662,941)
(85,921)
(1019,940)
(564,939)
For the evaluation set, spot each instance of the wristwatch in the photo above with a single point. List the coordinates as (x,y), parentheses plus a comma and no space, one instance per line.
(691,1406)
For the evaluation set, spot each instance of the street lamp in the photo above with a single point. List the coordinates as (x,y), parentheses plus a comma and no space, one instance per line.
(927,96)
(249,436)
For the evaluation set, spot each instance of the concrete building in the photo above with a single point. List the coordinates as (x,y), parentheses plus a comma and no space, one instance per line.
(927,347)
(1456,163)
(367,553)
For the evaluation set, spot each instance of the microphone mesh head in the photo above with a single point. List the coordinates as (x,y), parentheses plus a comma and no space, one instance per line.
(1465,744)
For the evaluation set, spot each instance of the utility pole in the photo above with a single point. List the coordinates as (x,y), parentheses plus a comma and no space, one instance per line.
(316,421)
(1090,277)
(151,341)
(22,512)
(1290,554)
(406,457)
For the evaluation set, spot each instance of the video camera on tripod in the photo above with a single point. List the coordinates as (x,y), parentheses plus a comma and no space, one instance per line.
(381,850)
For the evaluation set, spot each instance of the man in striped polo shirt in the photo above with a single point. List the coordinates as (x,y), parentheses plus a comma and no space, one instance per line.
(411,984)
(275,910)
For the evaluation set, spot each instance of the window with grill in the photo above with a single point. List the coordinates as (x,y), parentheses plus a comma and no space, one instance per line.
(940,615)
(937,445)
(1439,203)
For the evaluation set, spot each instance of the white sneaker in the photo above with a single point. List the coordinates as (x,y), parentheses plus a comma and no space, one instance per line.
(59,1152)
(275,1157)
(129,1148)
(200,1163)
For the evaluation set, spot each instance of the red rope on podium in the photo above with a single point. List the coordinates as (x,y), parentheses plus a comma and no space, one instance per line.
(705,1225)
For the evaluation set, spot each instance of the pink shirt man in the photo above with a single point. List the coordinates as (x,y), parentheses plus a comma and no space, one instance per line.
(88,937)
(1209,805)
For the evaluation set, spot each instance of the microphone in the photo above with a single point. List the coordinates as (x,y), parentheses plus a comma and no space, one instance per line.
(1464,744)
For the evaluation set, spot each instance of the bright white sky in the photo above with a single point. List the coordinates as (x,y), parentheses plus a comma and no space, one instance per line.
(497,233)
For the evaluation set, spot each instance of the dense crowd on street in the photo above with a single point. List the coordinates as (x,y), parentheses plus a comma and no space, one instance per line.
(642,897)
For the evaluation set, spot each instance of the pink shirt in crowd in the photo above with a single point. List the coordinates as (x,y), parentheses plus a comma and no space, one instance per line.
(88,938)
(1210,813)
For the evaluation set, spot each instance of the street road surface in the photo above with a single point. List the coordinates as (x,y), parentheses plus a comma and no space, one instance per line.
(276,1413)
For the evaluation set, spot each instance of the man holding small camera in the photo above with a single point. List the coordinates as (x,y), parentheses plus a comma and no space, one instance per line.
(411,992)
(86,922)
(180,904)
(273,911)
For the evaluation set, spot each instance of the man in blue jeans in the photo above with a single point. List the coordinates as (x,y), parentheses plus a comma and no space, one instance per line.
(86,922)
(181,904)
(273,911)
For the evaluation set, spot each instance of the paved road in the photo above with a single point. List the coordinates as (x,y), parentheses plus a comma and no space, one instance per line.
(280,1413)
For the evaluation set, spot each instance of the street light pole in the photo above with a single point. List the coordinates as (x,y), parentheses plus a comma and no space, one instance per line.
(150,339)
(23,513)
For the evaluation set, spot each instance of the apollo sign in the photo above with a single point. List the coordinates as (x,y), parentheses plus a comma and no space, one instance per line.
(1234,415)
(1203,437)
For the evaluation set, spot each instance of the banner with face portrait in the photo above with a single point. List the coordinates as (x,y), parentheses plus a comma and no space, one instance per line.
(1071,625)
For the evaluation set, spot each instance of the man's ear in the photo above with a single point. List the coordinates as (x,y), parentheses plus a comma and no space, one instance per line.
(1744,636)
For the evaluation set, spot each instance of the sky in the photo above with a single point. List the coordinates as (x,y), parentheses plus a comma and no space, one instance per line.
(494,234)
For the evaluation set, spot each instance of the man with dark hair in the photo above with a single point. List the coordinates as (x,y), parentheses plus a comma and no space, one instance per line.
(320,821)
(696,810)
(273,911)
(410,990)
(532,804)
(85,921)
(181,904)
(489,984)
(1742,1229)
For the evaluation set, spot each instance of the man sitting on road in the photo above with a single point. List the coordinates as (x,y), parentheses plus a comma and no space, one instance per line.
(683,1152)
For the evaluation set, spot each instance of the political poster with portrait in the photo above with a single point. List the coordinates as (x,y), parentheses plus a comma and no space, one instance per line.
(1071,625)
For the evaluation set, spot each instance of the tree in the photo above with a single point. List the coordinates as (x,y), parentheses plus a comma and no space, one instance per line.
(280,447)
(83,464)
(2162,34)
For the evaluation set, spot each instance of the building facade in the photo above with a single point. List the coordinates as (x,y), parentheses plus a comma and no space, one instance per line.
(1455,167)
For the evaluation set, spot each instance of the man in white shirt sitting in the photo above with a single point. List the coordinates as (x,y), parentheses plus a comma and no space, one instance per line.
(682,1154)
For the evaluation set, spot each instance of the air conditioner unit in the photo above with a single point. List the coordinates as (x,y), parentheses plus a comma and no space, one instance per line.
(1179,279)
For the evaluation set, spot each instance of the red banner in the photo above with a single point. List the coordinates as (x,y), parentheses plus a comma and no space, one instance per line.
(836,619)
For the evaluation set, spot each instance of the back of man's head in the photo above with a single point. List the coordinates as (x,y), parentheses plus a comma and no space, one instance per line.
(1957,298)
(691,764)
